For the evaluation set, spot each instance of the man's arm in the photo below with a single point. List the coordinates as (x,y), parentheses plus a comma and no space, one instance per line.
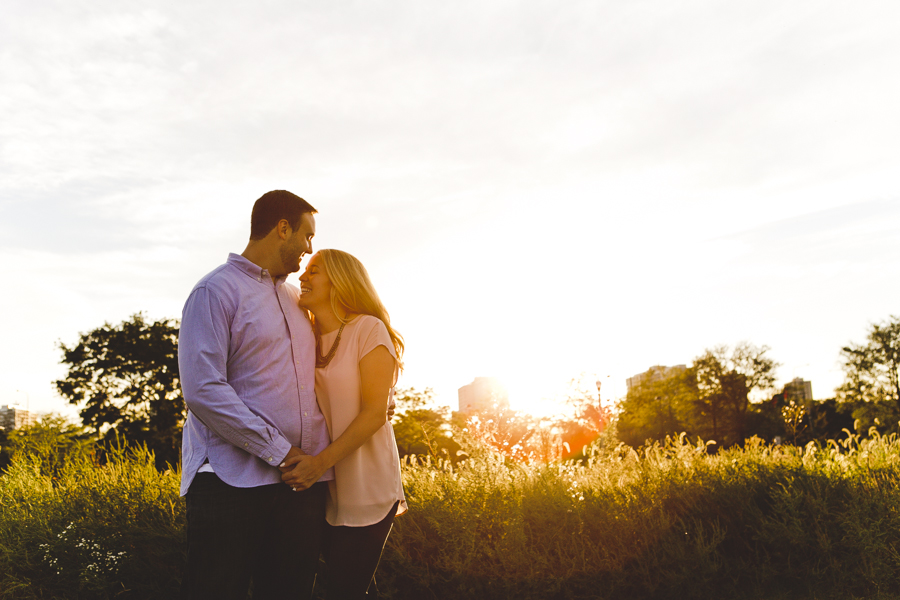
(203,345)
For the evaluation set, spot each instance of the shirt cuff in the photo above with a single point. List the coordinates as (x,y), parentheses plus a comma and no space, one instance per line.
(277,452)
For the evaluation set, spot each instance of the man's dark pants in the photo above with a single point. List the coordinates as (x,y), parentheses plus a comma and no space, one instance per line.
(269,534)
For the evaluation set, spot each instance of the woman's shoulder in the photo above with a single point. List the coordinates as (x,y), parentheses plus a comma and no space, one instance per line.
(370,332)
(367,322)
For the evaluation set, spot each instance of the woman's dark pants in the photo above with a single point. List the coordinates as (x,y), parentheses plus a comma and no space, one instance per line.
(352,555)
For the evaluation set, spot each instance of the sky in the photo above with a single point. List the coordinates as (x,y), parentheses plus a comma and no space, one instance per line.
(540,190)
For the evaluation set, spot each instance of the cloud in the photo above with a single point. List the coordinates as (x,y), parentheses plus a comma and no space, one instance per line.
(860,233)
(462,151)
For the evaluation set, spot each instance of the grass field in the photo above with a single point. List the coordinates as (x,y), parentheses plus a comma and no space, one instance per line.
(670,522)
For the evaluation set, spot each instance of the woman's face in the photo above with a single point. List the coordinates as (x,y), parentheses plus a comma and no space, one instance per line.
(315,287)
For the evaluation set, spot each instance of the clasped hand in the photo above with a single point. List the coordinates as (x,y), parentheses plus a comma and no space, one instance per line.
(300,470)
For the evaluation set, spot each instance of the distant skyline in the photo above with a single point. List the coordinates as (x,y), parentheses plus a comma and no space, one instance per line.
(539,190)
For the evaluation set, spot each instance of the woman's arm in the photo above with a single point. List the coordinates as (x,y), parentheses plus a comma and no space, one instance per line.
(376,374)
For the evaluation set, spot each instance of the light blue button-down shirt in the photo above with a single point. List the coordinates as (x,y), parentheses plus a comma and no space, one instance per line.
(246,356)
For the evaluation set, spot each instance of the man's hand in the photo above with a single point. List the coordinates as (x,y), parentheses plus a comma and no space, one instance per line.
(391,406)
(301,471)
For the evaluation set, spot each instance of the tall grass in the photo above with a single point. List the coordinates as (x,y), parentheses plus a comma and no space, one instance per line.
(90,531)
(669,522)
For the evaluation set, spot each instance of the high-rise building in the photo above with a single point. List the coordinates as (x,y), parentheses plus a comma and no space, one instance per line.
(15,417)
(798,390)
(656,373)
(481,394)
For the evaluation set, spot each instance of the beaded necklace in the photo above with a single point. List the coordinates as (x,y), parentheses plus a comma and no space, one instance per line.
(322,361)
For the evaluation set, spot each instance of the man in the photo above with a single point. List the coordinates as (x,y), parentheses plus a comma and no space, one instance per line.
(247,365)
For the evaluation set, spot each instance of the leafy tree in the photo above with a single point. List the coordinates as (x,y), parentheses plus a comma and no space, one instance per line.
(589,410)
(710,399)
(872,369)
(589,419)
(421,427)
(723,383)
(658,406)
(126,379)
(828,419)
(871,390)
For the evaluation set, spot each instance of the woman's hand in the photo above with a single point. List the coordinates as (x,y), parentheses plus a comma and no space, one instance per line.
(376,370)
(301,471)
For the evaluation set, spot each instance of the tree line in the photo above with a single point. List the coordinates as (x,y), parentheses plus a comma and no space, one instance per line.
(125,380)
(711,398)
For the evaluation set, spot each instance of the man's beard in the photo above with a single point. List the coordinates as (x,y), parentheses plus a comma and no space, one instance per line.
(290,258)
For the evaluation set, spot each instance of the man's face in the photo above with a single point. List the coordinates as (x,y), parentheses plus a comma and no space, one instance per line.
(298,244)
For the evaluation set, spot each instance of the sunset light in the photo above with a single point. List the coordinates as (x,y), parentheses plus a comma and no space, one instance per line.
(450,300)
(585,204)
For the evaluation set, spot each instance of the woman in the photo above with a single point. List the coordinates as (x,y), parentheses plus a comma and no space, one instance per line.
(357,361)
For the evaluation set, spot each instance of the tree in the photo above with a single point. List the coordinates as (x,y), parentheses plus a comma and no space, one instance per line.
(723,383)
(590,416)
(660,405)
(590,412)
(710,399)
(872,370)
(871,378)
(126,379)
(422,428)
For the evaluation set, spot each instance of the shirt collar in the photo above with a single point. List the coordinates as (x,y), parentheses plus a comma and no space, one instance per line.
(251,269)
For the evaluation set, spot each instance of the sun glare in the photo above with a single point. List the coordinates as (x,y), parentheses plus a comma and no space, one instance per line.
(539,398)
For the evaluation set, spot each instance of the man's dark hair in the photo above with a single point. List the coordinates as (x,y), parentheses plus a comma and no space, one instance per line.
(274,206)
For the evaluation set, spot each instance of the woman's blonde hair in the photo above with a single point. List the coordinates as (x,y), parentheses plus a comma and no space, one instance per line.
(352,290)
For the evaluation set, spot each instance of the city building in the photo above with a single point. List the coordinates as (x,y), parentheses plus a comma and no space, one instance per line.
(654,374)
(15,417)
(481,394)
(798,390)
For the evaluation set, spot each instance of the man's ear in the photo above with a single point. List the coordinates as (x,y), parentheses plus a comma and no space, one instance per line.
(284,229)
